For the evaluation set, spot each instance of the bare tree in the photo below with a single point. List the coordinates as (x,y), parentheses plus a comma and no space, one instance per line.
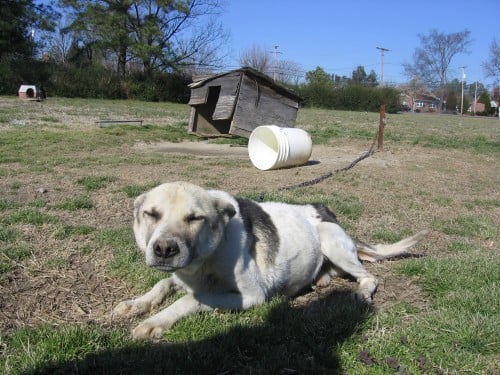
(289,72)
(257,57)
(204,49)
(262,59)
(431,61)
(59,43)
(492,66)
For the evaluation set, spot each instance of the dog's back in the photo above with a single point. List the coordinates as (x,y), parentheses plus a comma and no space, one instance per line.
(281,249)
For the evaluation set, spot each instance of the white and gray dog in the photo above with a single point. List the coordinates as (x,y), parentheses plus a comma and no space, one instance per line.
(232,253)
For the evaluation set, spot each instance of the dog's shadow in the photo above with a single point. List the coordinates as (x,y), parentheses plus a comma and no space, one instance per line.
(298,338)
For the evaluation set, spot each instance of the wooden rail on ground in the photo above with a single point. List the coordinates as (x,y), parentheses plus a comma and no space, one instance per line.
(104,123)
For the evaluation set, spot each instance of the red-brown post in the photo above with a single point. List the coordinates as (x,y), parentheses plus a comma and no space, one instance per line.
(381,127)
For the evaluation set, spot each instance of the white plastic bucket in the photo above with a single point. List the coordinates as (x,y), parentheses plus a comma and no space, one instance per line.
(273,147)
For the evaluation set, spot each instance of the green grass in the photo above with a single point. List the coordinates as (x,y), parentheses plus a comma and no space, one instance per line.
(7,205)
(69,231)
(457,333)
(484,203)
(12,250)
(10,255)
(133,191)
(389,235)
(7,234)
(467,226)
(48,345)
(128,261)
(91,183)
(46,148)
(29,216)
(83,202)
(461,246)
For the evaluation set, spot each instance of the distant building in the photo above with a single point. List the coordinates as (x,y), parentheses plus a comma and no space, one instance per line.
(420,102)
(477,107)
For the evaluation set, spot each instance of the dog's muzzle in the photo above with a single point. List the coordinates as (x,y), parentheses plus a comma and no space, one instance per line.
(165,248)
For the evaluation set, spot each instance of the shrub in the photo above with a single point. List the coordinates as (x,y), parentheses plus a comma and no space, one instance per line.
(350,97)
(92,81)
(171,87)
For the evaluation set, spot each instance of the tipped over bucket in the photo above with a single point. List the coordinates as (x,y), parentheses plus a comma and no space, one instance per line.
(273,147)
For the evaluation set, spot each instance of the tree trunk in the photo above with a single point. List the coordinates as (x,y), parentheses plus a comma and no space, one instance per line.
(122,61)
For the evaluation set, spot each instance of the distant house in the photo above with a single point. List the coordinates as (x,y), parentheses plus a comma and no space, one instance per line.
(420,102)
(236,102)
(477,107)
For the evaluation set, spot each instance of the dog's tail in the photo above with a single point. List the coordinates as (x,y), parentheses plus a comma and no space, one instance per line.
(372,253)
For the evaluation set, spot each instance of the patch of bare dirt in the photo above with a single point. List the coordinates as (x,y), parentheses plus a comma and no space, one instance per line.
(401,188)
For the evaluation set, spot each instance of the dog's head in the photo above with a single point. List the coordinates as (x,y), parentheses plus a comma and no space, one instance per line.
(178,223)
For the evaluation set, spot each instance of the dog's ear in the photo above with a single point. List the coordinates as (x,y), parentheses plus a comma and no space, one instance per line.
(138,204)
(224,208)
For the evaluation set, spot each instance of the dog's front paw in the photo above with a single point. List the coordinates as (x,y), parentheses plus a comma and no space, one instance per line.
(131,308)
(363,298)
(366,290)
(147,330)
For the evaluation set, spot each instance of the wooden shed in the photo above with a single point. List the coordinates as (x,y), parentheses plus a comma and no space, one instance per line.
(236,102)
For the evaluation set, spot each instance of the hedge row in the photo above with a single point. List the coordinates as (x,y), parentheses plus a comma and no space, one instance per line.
(92,81)
(350,97)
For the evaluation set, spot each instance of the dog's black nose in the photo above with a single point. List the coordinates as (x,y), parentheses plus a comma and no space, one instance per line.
(165,248)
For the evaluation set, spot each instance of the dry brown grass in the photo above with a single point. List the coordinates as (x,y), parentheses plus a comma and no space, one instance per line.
(403,189)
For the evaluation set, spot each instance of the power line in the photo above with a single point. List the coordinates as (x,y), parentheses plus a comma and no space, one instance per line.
(382,51)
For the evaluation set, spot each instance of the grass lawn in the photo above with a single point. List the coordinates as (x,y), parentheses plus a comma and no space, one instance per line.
(67,253)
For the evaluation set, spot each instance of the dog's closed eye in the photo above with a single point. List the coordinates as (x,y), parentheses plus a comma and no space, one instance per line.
(191,218)
(153,214)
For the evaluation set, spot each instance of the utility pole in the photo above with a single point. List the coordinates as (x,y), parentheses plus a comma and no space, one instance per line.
(463,78)
(475,99)
(275,64)
(382,51)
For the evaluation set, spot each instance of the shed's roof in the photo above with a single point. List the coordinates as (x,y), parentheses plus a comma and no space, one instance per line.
(261,77)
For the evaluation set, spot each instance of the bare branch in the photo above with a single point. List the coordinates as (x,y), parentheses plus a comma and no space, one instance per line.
(432,60)
(492,66)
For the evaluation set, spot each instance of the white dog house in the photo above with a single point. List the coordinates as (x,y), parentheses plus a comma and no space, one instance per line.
(30,92)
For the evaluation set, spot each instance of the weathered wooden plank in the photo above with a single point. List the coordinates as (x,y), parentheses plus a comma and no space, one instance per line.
(225,107)
(192,121)
(228,96)
(199,95)
(257,105)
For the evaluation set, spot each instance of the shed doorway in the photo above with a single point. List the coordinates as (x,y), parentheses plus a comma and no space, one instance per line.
(206,112)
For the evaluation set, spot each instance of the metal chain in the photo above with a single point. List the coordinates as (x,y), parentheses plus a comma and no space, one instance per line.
(321,178)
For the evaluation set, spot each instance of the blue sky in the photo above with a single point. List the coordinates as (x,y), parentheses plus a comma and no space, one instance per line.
(340,35)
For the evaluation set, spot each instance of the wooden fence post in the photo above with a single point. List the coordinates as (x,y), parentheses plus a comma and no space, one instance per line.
(381,126)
